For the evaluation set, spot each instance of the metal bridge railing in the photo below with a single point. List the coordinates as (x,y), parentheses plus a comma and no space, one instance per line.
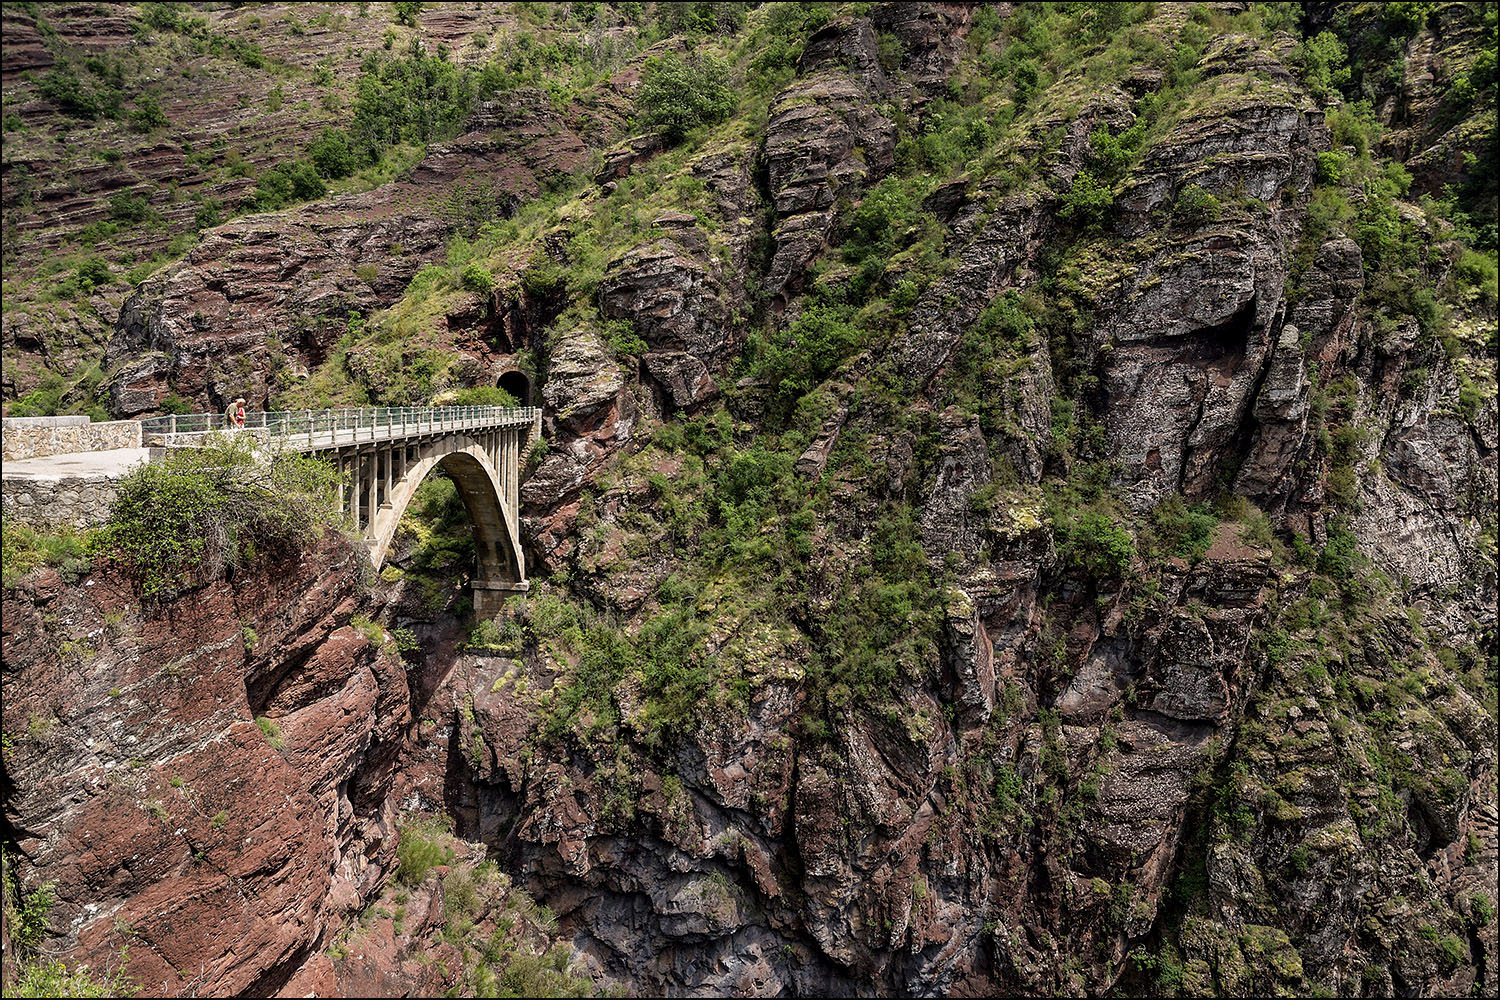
(308,429)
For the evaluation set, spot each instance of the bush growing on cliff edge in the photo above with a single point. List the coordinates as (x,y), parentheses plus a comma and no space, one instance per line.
(23,548)
(419,850)
(676,96)
(184,521)
(26,917)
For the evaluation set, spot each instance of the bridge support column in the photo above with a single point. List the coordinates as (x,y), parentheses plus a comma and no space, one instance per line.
(370,484)
(352,464)
(513,469)
(389,455)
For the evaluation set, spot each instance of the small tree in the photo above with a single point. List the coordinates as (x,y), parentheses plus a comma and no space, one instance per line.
(148,114)
(1325,61)
(677,95)
(180,523)
(288,183)
(1087,203)
(333,154)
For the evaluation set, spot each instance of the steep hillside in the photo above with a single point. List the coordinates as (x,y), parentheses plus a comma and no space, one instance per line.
(1018,508)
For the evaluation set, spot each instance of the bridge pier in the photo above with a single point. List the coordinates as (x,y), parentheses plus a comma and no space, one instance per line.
(490,595)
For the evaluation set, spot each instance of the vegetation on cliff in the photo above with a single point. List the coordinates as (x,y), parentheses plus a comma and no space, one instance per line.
(1024,480)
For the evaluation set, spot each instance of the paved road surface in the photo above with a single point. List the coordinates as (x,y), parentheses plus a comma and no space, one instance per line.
(84,463)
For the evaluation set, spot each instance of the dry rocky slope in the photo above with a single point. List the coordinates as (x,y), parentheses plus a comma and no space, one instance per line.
(1018,517)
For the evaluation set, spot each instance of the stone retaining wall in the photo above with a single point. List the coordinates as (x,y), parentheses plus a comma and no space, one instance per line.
(36,437)
(77,501)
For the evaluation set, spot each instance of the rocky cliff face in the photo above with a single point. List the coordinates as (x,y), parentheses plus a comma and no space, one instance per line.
(238,95)
(140,786)
(1018,511)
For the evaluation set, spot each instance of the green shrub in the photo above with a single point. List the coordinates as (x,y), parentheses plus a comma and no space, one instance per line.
(93,272)
(483,395)
(148,114)
(1195,206)
(63,87)
(1185,532)
(410,99)
(373,631)
(333,153)
(159,16)
(28,914)
(677,95)
(1095,542)
(129,208)
(1477,273)
(23,547)
(477,279)
(1481,910)
(54,979)
(1088,203)
(181,522)
(244,51)
(1025,81)
(207,215)
(1325,64)
(287,184)
(621,336)
(173,403)
(417,853)
(1331,167)
(886,212)
(271,731)
(1109,155)
(801,356)
(1340,557)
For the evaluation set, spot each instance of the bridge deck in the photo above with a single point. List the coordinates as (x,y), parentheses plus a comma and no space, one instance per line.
(323,430)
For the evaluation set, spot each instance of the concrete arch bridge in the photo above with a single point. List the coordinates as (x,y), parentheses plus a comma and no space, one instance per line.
(384,453)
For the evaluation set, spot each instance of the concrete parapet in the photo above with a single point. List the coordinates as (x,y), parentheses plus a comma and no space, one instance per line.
(36,437)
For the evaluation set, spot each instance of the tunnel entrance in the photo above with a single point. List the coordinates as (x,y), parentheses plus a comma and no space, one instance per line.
(518,385)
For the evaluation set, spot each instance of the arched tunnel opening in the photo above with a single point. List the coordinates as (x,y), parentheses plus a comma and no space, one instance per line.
(518,385)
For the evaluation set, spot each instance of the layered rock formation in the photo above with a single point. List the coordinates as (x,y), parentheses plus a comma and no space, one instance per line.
(237,98)
(208,783)
(1076,576)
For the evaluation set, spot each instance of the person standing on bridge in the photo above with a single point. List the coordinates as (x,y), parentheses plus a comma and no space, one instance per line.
(234,416)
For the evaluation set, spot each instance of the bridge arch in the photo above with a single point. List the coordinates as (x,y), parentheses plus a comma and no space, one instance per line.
(501,568)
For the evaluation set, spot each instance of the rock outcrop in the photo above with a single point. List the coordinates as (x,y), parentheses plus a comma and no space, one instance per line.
(206,784)
(1078,579)
(265,298)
